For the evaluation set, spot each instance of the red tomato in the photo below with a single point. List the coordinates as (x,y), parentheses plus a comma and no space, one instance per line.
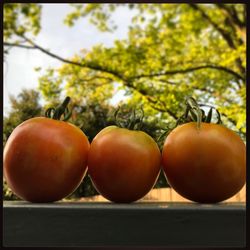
(123,164)
(205,165)
(45,160)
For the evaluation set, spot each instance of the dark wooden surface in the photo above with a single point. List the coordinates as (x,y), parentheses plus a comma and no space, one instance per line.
(137,224)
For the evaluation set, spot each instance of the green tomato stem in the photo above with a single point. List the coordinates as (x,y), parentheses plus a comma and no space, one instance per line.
(62,109)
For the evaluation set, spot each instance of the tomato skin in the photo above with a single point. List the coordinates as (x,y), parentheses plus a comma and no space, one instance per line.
(123,164)
(45,160)
(205,165)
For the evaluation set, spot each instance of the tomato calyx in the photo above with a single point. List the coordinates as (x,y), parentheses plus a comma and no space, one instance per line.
(194,113)
(61,109)
(131,120)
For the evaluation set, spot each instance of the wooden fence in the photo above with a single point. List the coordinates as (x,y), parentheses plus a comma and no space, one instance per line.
(168,194)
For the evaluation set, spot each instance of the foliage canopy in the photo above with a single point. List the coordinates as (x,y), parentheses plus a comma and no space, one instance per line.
(171,51)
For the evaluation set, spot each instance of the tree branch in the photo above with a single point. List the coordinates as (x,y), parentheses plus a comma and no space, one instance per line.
(150,100)
(152,103)
(234,123)
(226,35)
(83,65)
(234,22)
(232,13)
(183,71)
(223,33)
(115,73)
(19,45)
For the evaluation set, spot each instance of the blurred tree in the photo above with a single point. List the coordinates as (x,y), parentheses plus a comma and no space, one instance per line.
(24,106)
(172,51)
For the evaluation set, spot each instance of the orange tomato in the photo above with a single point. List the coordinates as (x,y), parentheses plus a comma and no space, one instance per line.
(123,164)
(45,160)
(205,165)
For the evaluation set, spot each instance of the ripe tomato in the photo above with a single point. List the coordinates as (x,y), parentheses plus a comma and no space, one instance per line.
(123,164)
(45,160)
(205,165)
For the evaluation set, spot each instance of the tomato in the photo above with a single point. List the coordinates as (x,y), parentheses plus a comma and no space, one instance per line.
(45,159)
(206,164)
(123,164)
